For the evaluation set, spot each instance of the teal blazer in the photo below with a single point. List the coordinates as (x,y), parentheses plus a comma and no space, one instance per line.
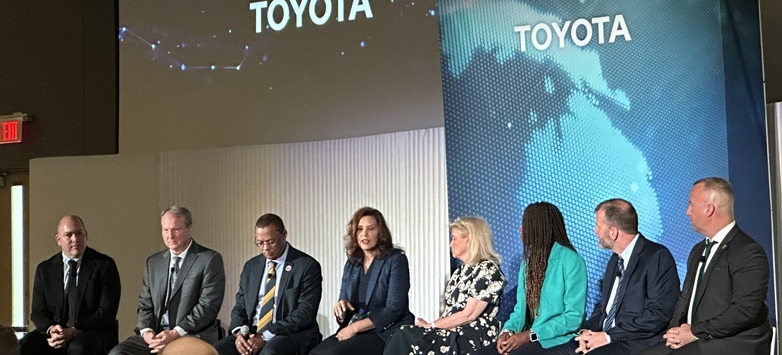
(562,299)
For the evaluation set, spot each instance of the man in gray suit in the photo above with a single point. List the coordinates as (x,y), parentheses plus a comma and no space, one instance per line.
(182,290)
(278,298)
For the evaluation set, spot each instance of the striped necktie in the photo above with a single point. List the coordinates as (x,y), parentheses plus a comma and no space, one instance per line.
(609,323)
(265,315)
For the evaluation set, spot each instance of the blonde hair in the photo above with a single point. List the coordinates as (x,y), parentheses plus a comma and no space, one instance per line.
(481,246)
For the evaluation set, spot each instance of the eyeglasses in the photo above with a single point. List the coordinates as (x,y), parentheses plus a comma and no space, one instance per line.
(268,243)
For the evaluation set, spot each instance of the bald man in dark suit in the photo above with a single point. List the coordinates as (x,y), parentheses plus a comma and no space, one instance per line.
(722,308)
(75,297)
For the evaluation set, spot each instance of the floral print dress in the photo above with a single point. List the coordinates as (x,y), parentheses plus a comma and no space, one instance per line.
(483,281)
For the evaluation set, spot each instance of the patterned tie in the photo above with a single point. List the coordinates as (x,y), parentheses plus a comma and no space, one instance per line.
(165,322)
(265,315)
(71,292)
(609,323)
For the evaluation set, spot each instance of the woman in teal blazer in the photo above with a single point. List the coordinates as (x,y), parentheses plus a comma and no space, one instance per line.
(552,288)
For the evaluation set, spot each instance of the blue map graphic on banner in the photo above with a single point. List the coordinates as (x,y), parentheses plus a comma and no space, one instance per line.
(577,124)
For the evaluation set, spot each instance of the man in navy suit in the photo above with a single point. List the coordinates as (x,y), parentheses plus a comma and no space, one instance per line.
(82,321)
(722,308)
(638,291)
(278,297)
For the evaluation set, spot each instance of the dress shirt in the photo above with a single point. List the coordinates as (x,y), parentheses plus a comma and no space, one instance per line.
(182,255)
(66,269)
(625,254)
(279,269)
(716,240)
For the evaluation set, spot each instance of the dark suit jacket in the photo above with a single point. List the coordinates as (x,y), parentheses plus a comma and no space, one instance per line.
(386,299)
(98,293)
(197,296)
(646,298)
(297,299)
(732,317)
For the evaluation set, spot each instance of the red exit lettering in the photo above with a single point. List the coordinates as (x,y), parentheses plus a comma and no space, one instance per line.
(10,132)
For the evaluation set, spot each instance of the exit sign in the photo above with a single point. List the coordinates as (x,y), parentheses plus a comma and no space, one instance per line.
(11,131)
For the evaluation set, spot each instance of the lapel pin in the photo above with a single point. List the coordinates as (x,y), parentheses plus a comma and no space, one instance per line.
(724,246)
(288,268)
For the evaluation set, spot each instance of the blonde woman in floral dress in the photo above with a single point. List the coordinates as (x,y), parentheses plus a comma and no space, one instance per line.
(472,297)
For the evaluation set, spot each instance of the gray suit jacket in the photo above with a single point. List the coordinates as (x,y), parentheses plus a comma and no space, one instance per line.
(197,295)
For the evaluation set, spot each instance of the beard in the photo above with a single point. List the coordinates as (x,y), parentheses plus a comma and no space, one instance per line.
(605,242)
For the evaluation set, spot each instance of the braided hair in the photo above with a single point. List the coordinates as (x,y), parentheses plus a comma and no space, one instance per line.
(541,226)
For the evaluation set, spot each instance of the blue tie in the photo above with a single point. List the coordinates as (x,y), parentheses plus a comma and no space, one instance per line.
(609,323)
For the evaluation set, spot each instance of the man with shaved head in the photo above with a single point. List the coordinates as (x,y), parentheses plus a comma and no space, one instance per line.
(75,297)
(722,307)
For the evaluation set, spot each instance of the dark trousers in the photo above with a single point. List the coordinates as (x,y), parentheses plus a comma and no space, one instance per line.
(279,345)
(759,345)
(613,348)
(660,349)
(363,343)
(131,346)
(527,349)
(91,342)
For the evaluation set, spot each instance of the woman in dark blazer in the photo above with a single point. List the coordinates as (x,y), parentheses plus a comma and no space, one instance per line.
(373,299)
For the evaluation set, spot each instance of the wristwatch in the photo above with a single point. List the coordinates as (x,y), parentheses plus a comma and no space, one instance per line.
(533,337)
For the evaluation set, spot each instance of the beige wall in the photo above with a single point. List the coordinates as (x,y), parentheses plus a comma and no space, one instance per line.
(315,187)
(115,196)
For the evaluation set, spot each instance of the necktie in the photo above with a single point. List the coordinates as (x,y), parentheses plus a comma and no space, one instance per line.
(609,323)
(169,292)
(705,257)
(702,270)
(266,313)
(70,292)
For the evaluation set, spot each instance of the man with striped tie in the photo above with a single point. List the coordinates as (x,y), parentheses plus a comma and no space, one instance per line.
(638,291)
(278,297)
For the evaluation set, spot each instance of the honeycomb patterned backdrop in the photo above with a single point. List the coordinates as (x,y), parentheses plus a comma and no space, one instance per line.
(640,119)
